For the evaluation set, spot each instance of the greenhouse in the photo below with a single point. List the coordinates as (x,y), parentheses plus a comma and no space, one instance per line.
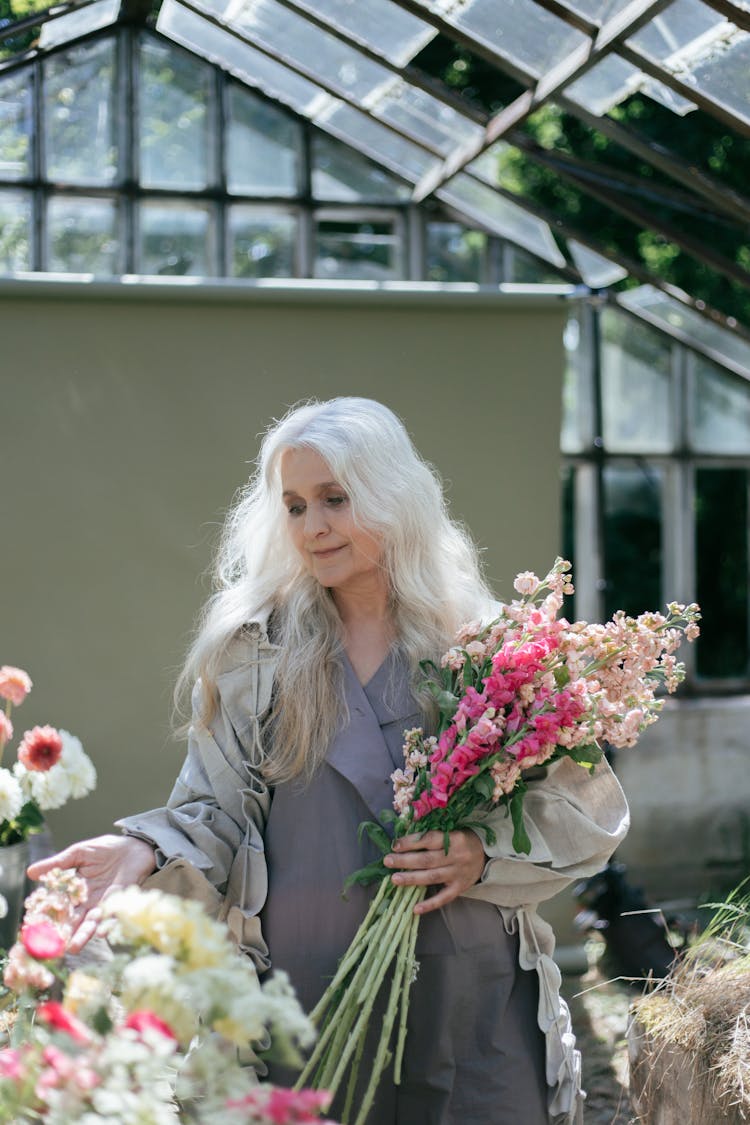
(522,224)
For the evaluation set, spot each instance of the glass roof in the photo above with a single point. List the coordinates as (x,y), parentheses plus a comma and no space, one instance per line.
(666,312)
(352,67)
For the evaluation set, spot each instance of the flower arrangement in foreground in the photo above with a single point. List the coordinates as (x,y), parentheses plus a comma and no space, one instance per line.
(519,693)
(51,767)
(151,1034)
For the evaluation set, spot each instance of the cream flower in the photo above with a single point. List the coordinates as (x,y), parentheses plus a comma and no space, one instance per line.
(78,766)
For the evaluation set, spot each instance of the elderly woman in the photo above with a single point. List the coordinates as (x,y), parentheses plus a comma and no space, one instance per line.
(339,570)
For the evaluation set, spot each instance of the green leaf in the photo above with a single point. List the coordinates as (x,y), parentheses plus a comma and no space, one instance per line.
(484,785)
(365,875)
(376,833)
(447,701)
(490,836)
(587,756)
(521,841)
(101,1022)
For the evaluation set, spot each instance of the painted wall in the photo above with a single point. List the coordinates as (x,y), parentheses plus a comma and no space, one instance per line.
(131,414)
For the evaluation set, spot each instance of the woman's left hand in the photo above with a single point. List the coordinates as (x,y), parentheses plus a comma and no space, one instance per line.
(423,861)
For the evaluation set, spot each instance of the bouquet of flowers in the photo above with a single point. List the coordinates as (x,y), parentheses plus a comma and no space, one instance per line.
(51,767)
(149,1034)
(518,693)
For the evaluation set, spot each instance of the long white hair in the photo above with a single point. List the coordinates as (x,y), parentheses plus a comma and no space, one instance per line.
(430,562)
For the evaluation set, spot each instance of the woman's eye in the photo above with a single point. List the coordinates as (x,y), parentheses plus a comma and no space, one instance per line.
(296,509)
(336,501)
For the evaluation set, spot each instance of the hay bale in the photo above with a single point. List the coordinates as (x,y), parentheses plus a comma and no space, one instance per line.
(689,1046)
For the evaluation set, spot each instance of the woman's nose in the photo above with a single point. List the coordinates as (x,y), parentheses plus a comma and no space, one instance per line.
(315,520)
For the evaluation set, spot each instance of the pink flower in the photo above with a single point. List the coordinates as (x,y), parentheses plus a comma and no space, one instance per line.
(23,973)
(11,1065)
(42,940)
(145,1020)
(41,749)
(285,1107)
(6,729)
(55,1015)
(15,684)
(526,583)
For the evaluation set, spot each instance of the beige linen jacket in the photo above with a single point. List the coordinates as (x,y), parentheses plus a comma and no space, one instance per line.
(209,842)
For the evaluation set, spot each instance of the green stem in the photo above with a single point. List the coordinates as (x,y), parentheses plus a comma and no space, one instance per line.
(406,992)
(368,994)
(353,1074)
(381,1056)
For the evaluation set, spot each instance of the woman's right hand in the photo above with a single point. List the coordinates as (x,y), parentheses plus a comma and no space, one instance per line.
(106,863)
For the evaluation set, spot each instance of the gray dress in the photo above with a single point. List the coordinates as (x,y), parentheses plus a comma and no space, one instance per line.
(474,1051)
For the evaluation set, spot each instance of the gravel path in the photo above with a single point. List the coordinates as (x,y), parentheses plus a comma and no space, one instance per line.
(599,1009)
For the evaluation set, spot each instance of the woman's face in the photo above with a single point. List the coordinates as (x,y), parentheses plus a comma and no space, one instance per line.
(335,550)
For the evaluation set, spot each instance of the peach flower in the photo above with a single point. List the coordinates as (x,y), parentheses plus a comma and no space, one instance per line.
(15,684)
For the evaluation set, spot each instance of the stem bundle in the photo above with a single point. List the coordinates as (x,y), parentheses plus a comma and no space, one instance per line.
(387,937)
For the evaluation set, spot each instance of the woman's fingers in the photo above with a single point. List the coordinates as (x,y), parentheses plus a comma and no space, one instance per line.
(68,857)
(426,863)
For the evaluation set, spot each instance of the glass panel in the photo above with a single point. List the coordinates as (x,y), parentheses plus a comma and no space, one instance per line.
(261,244)
(721,565)
(523,269)
(455,253)
(597,271)
(176,238)
(598,10)
(520,30)
(423,117)
(375,140)
(292,37)
(75,24)
(364,250)
(577,399)
(339,173)
(632,537)
(80,115)
(723,76)
(605,85)
(263,146)
(636,386)
(719,410)
(15,126)
(674,30)
(15,231)
(665,311)
(229,52)
(379,24)
(174,93)
(82,236)
(502,216)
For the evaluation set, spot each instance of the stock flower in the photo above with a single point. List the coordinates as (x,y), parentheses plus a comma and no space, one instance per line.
(11,1064)
(15,684)
(41,749)
(42,940)
(11,796)
(53,1014)
(79,768)
(23,973)
(145,1020)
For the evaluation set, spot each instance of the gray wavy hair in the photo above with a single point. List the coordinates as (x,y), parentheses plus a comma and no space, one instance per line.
(431,565)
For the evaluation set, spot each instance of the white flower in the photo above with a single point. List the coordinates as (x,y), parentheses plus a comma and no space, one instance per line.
(11,796)
(3,907)
(77,765)
(51,788)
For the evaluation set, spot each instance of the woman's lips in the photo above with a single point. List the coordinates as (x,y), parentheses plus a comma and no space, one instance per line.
(327,554)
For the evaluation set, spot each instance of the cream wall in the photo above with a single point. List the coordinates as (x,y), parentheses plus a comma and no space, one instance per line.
(129,417)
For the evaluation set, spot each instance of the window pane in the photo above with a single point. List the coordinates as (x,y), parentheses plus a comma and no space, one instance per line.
(374,139)
(357,250)
(15,231)
(261,244)
(176,238)
(175,142)
(82,236)
(632,537)
(341,174)
(74,25)
(455,253)
(15,126)
(722,571)
(378,23)
(423,117)
(720,410)
(636,386)
(577,405)
(79,115)
(263,147)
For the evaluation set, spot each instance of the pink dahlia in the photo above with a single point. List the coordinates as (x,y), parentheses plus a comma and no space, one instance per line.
(6,729)
(41,749)
(15,684)
(42,940)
